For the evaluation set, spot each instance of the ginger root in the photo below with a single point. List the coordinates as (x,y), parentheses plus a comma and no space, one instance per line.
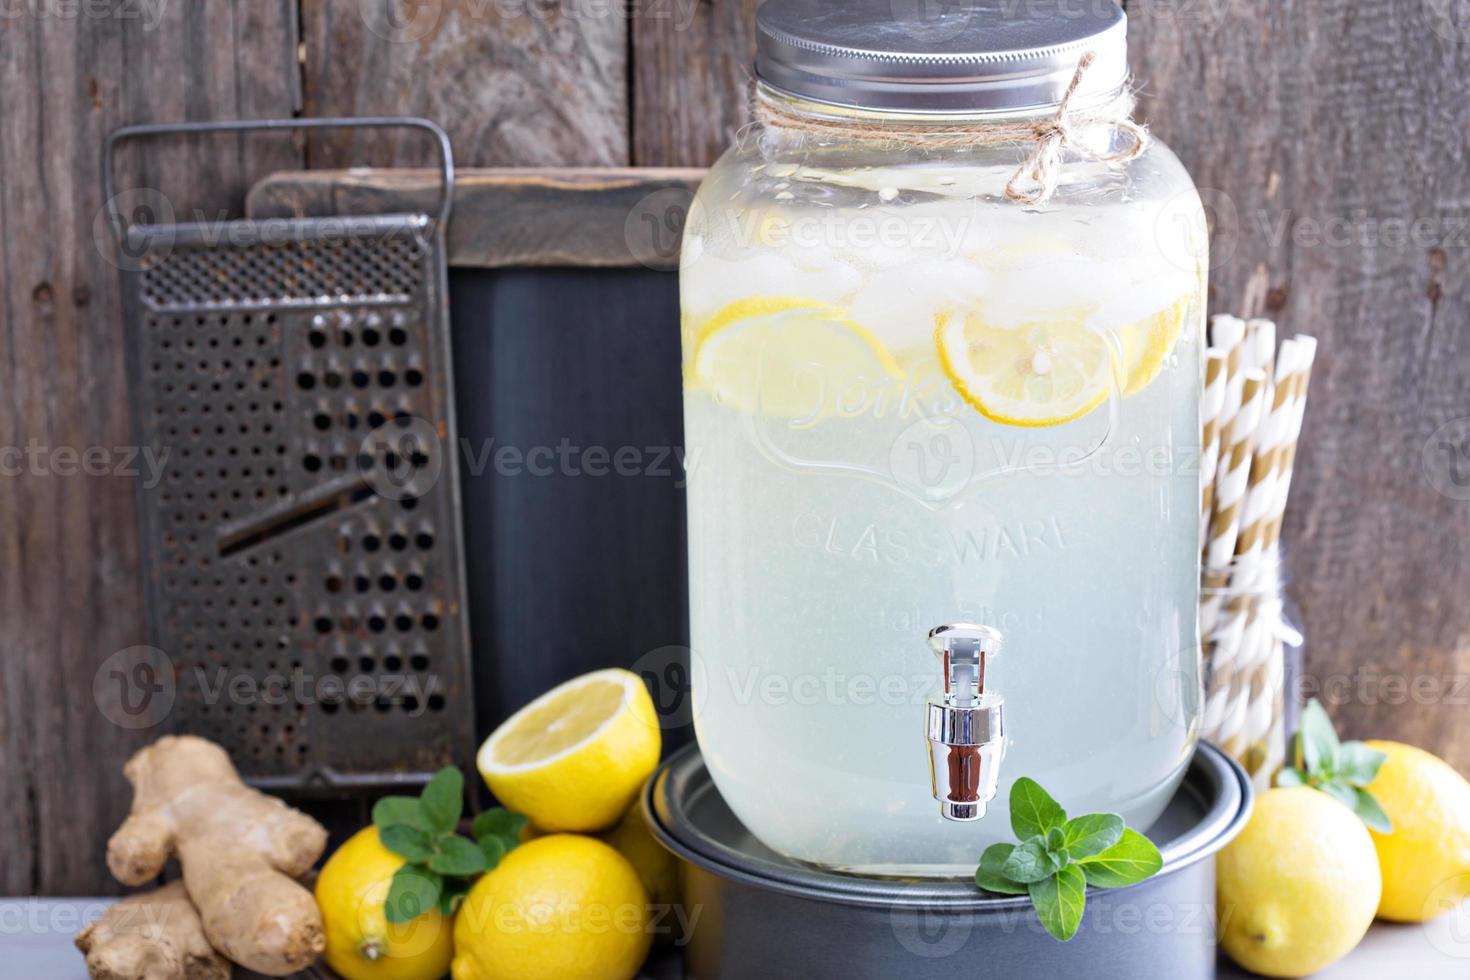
(240,851)
(153,936)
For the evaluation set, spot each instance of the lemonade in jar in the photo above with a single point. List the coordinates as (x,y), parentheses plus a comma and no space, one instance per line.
(942,315)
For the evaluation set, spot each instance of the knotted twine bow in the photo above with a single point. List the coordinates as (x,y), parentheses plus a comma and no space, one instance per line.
(1035,180)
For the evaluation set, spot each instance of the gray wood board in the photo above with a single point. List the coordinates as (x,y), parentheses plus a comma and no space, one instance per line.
(1322,135)
(70,594)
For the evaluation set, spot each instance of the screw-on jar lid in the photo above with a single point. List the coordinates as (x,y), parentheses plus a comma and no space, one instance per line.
(952,56)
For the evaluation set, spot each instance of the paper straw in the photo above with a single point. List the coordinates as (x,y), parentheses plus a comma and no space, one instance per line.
(1212,400)
(1308,355)
(1260,349)
(1268,461)
(1241,616)
(1230,487)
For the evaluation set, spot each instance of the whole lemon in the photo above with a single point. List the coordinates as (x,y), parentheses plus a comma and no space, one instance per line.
(561,907)
(361,943)
(1425,860)
(657,867)
(1298,888)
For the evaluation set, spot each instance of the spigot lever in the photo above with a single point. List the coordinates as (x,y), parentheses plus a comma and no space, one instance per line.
(964,727)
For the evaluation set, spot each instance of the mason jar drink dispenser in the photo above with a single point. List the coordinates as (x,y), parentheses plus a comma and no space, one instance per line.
(942,314)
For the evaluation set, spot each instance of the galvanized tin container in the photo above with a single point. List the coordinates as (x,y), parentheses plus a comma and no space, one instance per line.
(753,913)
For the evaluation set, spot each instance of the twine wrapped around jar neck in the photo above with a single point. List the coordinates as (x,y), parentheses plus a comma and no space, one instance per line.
(1035,180)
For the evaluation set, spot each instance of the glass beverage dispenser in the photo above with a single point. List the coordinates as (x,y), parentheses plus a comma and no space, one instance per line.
(941,333)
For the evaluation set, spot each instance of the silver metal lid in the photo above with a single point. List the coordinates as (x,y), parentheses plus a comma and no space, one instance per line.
(943,56)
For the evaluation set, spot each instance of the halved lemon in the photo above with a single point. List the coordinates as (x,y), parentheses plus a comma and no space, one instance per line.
(1041,373)
(574,758)
(788,357)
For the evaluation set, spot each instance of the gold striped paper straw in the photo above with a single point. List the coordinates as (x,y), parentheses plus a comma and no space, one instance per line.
(1230,482)
(1235,458)
(1308,355)
(1212,401)
(1260,339)
(1268,461)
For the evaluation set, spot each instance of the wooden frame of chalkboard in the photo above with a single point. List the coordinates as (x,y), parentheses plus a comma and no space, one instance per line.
(565,321)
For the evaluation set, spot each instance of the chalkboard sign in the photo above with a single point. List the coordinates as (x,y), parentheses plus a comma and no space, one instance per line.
(565,317)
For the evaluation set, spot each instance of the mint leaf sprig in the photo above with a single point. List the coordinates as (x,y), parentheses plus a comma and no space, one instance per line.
(1058,858)
(1342,770)
(441,865)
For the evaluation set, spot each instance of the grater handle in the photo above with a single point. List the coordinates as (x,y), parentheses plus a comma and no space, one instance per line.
(115,218)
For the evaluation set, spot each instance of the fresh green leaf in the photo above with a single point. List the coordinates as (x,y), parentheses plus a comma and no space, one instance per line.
(407,842)
(1339,791)
(494,848)
(393,811)
(1357,764)
(443,800)
(413,892)
(1291,777)
(457,856)
(1091,834)
(989,875)
(1033,811)
(499,822)
(452,895)
(1059,900)
(1030,861)
(1127,862)
(1317,740)
(1368,810)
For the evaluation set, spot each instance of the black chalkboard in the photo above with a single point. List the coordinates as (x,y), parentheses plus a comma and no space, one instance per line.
(571,434)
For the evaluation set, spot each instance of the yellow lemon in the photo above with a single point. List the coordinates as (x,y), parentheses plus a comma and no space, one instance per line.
(1055,368)
(1147,343)
(562,907)
(790,358)
(361,943)
(1041,373)
(1425,860)
(657,867)
(1297,889)
(574,758)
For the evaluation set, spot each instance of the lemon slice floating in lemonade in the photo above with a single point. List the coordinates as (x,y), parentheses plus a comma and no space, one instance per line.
(1147,343)
(1052,370)
(787,357)
(1041,373)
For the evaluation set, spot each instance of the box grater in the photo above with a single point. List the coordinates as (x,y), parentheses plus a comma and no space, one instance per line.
(303,550)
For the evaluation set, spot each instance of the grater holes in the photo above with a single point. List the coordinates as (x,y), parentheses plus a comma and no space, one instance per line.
(230,406)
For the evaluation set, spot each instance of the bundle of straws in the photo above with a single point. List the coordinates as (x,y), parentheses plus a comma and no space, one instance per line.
(1251,409)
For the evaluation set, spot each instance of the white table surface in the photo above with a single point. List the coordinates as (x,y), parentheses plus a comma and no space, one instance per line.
(36,944)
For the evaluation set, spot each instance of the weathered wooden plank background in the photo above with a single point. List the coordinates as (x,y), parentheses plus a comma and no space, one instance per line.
(1330,137)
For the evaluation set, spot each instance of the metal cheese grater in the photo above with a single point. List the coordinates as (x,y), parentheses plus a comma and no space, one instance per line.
(303,551)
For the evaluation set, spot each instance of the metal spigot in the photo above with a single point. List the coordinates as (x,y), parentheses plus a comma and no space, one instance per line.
(964,726)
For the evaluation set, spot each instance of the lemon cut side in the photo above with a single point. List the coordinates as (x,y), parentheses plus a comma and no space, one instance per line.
(1147,343)
(574,758)
(1052,370)
(787,357)
(1042,373)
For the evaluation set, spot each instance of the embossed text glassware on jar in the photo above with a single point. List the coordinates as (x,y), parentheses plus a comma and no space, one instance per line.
(941,332)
